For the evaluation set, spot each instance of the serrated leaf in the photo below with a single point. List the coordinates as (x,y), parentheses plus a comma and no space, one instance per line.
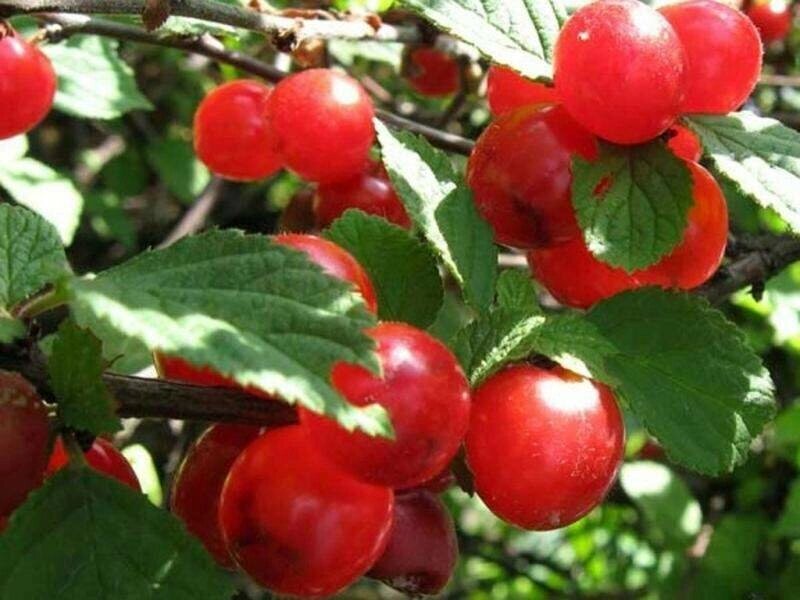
(93,81)
(10,329)
(665,501)
(688,374)
(76,368)
(392,258)
(520,34)
(83,535)
(440,204)
(178,167)
(251,309)
(31,255)
(632,203)
(515,290)
(759,157)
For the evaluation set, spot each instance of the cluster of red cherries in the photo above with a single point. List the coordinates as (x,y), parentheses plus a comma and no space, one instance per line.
(308,509)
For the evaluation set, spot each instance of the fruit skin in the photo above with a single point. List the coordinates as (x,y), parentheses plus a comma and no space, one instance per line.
(772,19)
(370,191)
(321,121)
(335,261)
(24,434)
(428,400)
(723,54)
(684,143)
(576,278)
(508,90)
(544,446)
(197,486)
(231,133)
(619,70)
(27,84)
(520,173)
(433,72)
(103,457)
(423,550)
(297,524)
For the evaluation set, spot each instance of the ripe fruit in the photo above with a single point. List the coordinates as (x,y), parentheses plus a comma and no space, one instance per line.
(544,446)
(576,278)
(684,143)
(24,432)
(297,524)
(427,397)
(520,173)
(507,90)
(422,550)
(723,54)
(772,18)
(27,84)
(197,486)
(335,261)
(432,72)
(231,133)
(370,191)
(619,70)
(321,121)
(103,457)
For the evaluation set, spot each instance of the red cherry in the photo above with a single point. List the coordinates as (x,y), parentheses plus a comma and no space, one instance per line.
(427,397)
(335,261)
(27,85)
(576,278)
(231,133)
(103,457)
(197,486)
(684,143)
(24,433)
(652,450)
(439,483)
(295,523)
(507,90)
(322,124)
(422,550)
(772,18)
(544,446)
(177,369)
(520,173)
(370,191)
(723,54)
(433,72)
(619,70)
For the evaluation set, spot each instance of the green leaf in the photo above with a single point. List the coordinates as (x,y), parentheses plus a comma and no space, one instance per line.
(10,329)
(688,374)
(144,467)
(632,203)
(440,204)
(93,81)
(393,258)
(251,309)
(728,568)
(789,523)
(83,535)
(347,51)
(13,148)
(515,290)
(76,369)
(178,167)
(31,255)
(665,501)
(759,157)
(44,191)
(520,34)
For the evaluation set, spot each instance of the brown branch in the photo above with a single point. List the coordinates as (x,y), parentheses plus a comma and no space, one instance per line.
(159,399)
(196,217)
(779,80)
(63,26)
(287,30)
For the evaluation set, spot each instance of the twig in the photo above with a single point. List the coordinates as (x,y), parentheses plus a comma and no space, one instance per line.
(196,217)
(780,80)
(159,399)
(62,26)
(288,31)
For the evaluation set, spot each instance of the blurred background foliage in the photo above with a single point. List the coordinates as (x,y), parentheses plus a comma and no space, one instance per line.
(123,180)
